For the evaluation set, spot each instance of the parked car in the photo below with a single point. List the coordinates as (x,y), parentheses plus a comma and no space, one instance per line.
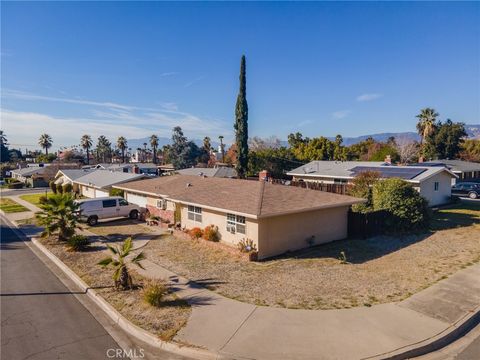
(470,189)
(92,210)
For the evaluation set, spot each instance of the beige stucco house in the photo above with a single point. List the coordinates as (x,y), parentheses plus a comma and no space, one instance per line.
(433,182)
(277,218)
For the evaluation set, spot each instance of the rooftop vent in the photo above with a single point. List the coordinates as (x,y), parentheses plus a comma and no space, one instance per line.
(188,185)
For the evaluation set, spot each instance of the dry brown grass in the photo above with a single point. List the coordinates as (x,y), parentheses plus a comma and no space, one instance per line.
(381,269)
(164,321)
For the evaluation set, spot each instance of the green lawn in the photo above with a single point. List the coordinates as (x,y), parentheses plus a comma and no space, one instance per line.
(10,206)
(34,198)
(463,213)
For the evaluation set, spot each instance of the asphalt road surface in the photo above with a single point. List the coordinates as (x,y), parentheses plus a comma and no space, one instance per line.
(41,318)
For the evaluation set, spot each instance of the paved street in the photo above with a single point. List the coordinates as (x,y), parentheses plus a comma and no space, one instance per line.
(41,319)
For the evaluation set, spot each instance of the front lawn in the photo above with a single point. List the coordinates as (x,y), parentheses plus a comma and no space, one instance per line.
(164,321)
(378,270)
(34,198)
(119,230)
(11,206)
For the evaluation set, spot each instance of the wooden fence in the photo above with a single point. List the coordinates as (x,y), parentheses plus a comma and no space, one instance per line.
(366,225)
(333,188)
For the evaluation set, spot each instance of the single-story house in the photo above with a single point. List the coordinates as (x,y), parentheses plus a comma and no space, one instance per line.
(465,170)
(138,168)
(99,182)
(433,183)
(33,176)
(276,218)
(68,176)
(220,171)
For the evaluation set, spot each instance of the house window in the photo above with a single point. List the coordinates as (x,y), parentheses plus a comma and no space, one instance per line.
(195,213)
(436,185)
(162,204)
(235,223)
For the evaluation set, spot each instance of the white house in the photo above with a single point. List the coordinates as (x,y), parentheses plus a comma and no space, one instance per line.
(99,182)
(433,182)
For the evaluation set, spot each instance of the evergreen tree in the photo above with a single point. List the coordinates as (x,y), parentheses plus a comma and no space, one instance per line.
(241,124)
(4,155)
(154,145)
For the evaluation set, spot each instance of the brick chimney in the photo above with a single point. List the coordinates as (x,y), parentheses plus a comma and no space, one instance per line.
(263,175)
(388,160)
(136,169)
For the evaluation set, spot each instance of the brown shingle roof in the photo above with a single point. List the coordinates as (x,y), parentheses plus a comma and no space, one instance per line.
(255,198)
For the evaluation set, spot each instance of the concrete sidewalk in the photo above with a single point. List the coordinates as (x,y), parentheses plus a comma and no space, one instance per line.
(238,330)
(233,329)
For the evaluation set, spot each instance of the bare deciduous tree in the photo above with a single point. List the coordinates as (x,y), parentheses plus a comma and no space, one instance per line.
(407,149)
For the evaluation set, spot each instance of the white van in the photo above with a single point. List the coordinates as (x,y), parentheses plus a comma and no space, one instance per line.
(92,210)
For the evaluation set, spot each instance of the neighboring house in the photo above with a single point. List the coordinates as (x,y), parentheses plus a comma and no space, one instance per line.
(139,168)
(68,176)
(220,171)
(465,170)
(277,218)
(433,183)
(99,182)
(34,176)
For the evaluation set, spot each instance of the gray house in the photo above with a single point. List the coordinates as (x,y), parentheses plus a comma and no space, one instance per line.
(465,170)
(433,182)
(98,183)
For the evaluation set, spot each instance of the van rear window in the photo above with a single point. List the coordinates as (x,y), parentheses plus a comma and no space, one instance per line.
(109,203)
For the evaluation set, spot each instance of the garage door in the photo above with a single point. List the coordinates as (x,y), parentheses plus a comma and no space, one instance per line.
(137,199)
(101,193)
(88,191)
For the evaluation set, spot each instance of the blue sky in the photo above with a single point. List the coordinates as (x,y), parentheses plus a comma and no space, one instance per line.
(134,69)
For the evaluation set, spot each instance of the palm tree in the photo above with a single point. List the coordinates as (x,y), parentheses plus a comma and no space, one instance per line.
(86,144)
(222,148)
(154,145)
(122,145)
(45,141)
(426,122)
(59,215)
(103,148)
(121,275)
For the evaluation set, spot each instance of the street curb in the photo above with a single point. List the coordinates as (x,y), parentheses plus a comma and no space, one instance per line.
(120,320)
(436,342)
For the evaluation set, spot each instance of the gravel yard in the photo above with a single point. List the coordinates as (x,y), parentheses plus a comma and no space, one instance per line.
(163,321)
(378,270)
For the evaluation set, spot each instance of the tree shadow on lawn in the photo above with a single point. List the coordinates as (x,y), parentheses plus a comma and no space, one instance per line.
(358,251)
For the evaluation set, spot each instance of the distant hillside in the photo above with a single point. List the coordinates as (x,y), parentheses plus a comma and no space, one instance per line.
(473,132)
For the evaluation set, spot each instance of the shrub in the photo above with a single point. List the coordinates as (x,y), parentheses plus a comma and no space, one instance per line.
(153,292)
(53,186)
(59,189)
(247,246)
(42,200)
(16,185)
(362,186)
(210,233)
(408,210)
(67,188)
(196,233)
(78,243)
(116,192)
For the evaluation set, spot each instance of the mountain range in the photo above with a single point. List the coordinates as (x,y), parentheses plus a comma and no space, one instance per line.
(473,132)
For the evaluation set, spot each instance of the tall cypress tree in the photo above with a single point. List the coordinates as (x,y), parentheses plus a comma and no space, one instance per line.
(241,124)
